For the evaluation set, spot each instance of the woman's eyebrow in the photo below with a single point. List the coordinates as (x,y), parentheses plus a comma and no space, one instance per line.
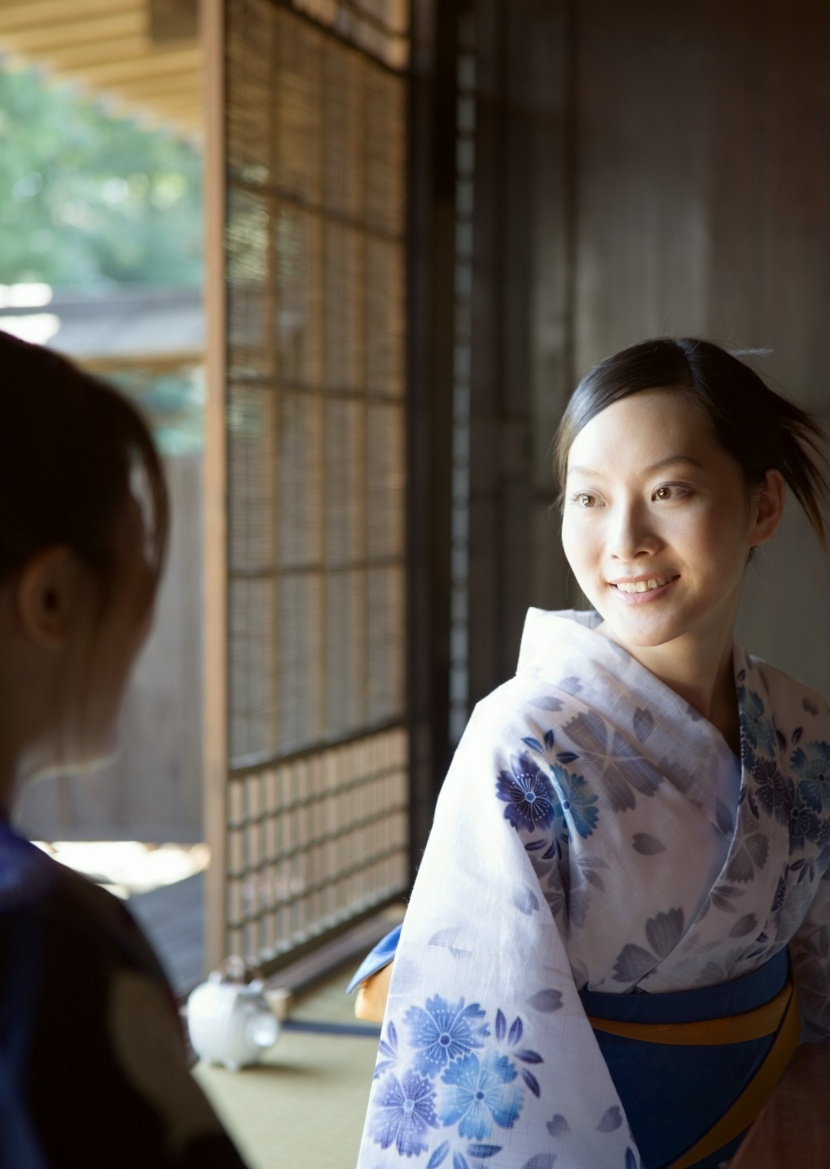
(675,459)
(672,459)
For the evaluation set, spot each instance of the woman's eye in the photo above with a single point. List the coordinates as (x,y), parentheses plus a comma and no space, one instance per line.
(670,491)
(585,499)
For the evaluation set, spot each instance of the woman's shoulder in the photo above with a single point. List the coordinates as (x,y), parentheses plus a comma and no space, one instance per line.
(89,923)
(553,650)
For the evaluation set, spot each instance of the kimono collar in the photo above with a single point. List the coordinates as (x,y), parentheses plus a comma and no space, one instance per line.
(556,643)
(641,715)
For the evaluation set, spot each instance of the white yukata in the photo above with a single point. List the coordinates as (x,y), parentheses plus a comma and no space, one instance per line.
(594,832)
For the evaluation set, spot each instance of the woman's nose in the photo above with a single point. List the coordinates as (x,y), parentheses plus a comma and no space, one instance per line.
(632,533)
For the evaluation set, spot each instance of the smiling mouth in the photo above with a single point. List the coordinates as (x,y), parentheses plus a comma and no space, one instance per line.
(643,586)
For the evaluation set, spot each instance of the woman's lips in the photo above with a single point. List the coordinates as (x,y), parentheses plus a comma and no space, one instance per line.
(641,590)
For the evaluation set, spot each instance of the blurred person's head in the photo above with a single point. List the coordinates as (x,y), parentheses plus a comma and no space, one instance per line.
(83,533)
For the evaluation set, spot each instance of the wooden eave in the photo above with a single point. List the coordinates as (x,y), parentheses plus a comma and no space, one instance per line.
(108,48)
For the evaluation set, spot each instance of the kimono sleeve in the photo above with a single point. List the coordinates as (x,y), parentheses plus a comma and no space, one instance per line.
(810,954)
(486,1056)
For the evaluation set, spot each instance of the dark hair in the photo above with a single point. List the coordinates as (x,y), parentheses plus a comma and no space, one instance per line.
(761,430)
(70,447)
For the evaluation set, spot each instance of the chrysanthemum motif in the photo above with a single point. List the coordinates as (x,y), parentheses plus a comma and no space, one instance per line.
(755,723)
(404,1110)
(812,765)
(576,800)
(770,788)
(444,1032)
(485,1092)
(802,822)
(528,793)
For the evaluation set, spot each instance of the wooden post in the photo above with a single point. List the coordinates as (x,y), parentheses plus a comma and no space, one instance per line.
(215,494)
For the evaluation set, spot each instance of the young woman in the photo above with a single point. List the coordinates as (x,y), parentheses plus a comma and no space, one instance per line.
(92,1061)
(593,972)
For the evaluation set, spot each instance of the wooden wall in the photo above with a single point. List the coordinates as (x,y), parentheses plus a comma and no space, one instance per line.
(643,168)
(522,322)
(703,167)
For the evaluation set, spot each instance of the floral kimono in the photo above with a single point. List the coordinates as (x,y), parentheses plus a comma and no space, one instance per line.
(594,834)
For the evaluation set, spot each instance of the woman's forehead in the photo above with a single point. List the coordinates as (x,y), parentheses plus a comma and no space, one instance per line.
(652,427)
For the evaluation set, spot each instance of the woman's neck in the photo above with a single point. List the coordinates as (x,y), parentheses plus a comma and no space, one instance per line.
(701,672)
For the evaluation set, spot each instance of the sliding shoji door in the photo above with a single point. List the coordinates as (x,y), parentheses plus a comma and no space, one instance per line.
(305,641)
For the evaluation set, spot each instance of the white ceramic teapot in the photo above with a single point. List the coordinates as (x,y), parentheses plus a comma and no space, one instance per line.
(229,1020)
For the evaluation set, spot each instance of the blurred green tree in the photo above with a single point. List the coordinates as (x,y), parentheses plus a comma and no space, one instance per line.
(88,199)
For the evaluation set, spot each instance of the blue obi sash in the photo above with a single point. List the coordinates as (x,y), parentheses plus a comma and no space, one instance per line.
(686,1088)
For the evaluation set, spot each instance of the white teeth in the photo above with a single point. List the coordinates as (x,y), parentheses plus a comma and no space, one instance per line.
(643,586)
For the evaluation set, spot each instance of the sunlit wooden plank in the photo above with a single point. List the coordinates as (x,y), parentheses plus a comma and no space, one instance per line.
(185,109)
(186,81)
(15,15)
(116,52)
(153,65)
(188,111)
(40,38)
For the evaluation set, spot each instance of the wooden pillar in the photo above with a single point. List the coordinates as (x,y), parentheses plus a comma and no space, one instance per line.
(215,542)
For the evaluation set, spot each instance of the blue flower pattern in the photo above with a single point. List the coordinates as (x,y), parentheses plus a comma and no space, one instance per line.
(528,793)
(444,1032)
(406,1110)
(790,784)
(486,1093)
(756,727)
(576,801)
(454,1084)
(812,765)
(553,796)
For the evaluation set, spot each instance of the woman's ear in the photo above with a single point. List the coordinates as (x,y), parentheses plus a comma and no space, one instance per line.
(768,505)
(51,594)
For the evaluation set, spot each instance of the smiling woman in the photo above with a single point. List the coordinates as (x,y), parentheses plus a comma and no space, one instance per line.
(660,547)
(630,846)
(672,459)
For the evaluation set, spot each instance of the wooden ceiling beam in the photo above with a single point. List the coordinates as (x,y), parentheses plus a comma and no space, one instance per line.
(105,47)
(16,16)
(39,39)
(124,104)
(155,64)
(181,102)
(186,81)
(120,50)
(184,116)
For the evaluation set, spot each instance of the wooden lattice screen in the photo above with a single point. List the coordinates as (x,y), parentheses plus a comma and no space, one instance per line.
(315,807)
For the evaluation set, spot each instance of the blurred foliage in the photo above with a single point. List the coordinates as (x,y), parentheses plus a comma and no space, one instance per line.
(172,403)
(87,199)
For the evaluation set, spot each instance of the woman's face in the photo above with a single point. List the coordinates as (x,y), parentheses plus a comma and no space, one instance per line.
(658,522)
